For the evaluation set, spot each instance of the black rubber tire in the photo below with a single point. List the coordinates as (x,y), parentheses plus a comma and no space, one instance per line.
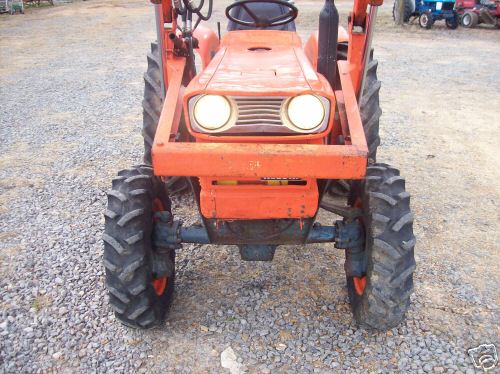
(152,106)
(426,21)
(153,100)
(408,10)
(389,249)
(452,23)
(369,105)
(129,252)
(370,112)
(469,20)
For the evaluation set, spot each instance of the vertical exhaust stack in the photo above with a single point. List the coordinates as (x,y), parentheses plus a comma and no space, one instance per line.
(327,41)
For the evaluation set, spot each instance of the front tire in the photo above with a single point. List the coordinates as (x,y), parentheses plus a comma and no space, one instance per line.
(138,294)
(380,296)
(426,20)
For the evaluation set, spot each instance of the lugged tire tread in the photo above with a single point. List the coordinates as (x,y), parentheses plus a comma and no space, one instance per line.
(153,98)
(117,195)
(129,216)
(110,266)
(382,196)
(119,295)
(110,214)
(390,246)
(114,244)
(152,106)
(138,192)
(136,177)
(404,220)
(131,240)
(128,271)
(407,10)
(127,248)
(155,86)
(370,113)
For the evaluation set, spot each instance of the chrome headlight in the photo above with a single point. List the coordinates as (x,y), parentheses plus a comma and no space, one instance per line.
(212,112)
(305,112)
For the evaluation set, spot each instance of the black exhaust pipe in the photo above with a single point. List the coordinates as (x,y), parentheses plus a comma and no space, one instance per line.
(327,41)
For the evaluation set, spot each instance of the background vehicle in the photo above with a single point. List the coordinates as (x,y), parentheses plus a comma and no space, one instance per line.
(266,133)
(11,6)
(473,12)
(427,11)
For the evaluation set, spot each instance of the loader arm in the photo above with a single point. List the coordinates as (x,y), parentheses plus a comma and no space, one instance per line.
(360,30)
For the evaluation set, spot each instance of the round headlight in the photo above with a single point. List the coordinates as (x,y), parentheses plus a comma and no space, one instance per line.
(212,111)
(306,112)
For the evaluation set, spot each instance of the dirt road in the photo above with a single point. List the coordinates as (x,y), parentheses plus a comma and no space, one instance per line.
(70,96)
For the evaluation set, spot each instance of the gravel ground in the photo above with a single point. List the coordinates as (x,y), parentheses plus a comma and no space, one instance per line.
(71,87)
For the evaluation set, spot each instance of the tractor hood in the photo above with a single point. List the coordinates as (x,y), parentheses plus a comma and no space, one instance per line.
(266,62)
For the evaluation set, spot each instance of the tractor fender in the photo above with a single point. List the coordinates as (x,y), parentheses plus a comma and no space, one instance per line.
(413,6)
(311,47)
(208,44)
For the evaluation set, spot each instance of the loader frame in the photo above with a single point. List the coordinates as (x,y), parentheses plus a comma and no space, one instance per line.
(260,156)
(322,161)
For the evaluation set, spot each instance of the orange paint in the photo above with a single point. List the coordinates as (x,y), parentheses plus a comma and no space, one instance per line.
(254,201)
(208,43)
(160,285)
(264,63)
(311,47)
(359,284)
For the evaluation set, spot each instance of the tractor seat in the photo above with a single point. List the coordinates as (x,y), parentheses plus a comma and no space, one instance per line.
(268,9)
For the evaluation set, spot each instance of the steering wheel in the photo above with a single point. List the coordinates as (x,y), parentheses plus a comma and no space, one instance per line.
(262,22)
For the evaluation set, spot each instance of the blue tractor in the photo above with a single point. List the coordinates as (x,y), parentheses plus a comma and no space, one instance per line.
(427,11)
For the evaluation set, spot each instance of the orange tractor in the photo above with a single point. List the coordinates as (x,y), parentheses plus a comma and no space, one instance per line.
(265,134)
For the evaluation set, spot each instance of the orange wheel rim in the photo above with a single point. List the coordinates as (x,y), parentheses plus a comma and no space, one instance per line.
(358,203)
(158,206)
(359,284)
(160,284)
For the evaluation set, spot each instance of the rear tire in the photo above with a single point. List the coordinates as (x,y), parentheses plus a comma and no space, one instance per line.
(426,20)
(470,20)
(152,106)
(452,23)
(369,105)
(409,8)
(153,100)
(370,111)
(130,258)
(381,299)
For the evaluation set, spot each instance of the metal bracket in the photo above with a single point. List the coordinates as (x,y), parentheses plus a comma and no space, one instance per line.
(167,231)
(348,235)
(351,237)
(349,213)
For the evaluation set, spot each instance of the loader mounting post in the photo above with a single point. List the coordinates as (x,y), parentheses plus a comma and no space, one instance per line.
(360,29)
(166,23)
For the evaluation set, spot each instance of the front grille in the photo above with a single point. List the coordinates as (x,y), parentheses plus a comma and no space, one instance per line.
(259,111)
(257,116)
